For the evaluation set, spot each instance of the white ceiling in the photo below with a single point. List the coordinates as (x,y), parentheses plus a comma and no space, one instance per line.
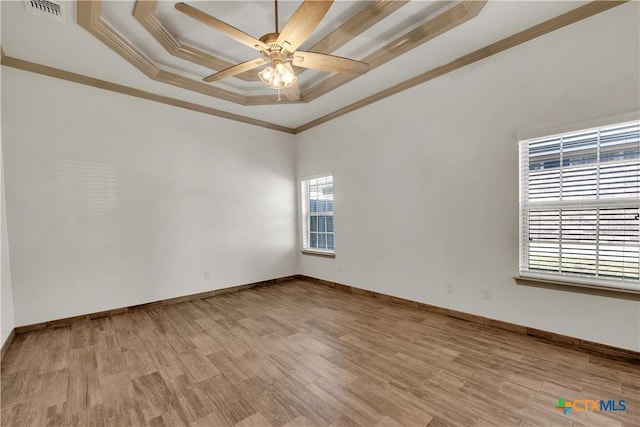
(69,47)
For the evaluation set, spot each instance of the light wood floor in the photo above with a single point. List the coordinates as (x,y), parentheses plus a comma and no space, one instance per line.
(300,354)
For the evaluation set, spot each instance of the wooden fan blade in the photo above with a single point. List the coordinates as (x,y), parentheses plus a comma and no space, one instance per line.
(221,26)
(302,23)
(322,61)
(236,69)
(292,92)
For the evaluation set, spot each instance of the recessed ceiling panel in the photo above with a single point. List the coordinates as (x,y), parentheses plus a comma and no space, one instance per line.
(438,33)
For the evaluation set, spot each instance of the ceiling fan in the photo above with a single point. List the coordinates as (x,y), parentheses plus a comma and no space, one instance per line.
(278,49)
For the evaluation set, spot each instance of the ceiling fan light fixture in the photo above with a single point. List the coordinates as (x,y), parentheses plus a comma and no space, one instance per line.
(278,76)
(280,48)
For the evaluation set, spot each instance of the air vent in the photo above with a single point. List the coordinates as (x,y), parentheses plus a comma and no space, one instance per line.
(50,9)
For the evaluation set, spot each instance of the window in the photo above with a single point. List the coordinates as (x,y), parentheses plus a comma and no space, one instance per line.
(579,205)
(317,214)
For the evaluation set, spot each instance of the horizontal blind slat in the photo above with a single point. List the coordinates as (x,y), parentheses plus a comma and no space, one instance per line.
(580,200)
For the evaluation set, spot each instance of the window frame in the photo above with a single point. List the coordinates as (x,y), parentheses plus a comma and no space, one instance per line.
(305,216)
(575,279)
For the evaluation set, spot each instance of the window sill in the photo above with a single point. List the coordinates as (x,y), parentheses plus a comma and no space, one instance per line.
(318,253)
(578,287)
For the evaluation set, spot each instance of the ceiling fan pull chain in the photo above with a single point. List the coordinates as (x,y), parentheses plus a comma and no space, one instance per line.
(279,98)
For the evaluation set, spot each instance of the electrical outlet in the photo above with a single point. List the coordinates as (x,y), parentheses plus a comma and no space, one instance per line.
(450,287)
(485,293)
(207,275)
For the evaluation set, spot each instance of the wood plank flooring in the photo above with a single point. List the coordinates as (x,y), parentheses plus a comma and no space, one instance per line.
(301,354)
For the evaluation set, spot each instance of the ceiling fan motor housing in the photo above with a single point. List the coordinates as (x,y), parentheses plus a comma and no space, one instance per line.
(271,40)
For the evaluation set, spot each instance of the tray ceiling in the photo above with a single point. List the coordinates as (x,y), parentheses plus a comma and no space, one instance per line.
(150,47)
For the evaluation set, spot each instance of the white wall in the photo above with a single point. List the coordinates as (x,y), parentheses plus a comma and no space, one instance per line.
(426,182)
(114,201)
(6,294)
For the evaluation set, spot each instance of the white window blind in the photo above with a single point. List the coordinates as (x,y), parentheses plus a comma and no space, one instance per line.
(317,213)
(579,207)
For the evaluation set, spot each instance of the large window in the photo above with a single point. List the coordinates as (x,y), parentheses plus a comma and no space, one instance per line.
(317,214)
(579,204)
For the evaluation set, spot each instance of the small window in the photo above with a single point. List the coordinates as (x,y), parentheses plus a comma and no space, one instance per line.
(317,214)
(579,207)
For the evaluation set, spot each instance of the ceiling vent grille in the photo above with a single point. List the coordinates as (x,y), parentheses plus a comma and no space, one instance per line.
(50,9)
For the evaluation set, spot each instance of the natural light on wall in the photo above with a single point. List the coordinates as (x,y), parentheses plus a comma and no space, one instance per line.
(85,189)
(579,207)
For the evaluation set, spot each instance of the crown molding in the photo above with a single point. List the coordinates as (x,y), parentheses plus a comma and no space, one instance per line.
(127,90)
(524,36)
(89,18)
(144,13)
(439,25)
(568,18)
